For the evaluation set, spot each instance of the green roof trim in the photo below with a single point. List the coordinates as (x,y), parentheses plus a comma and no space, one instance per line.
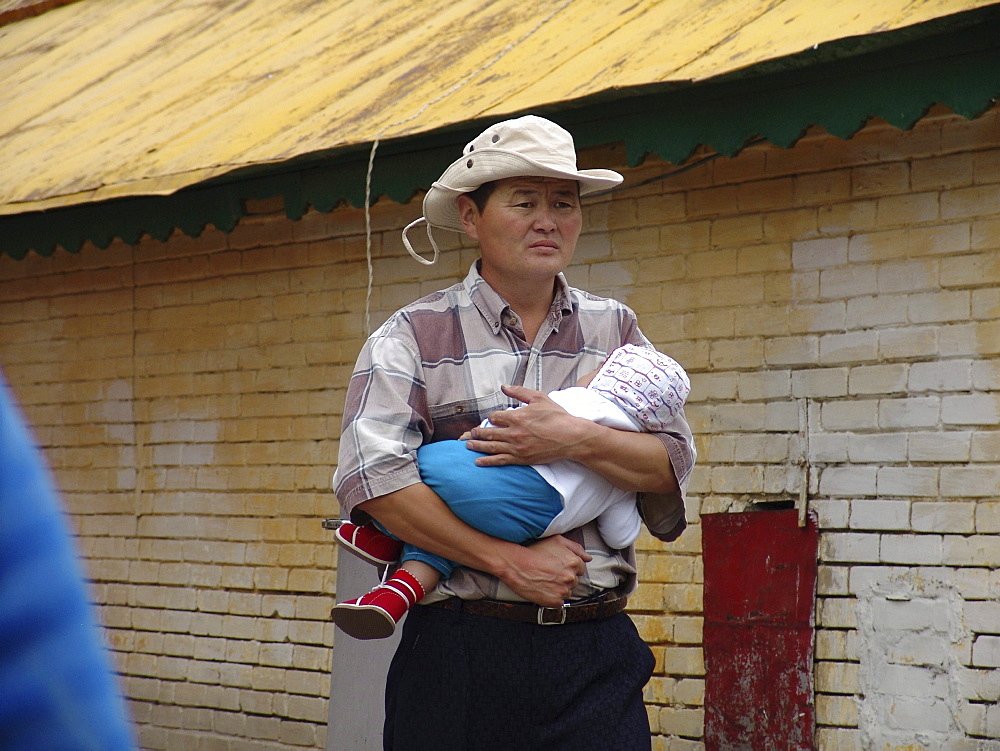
(899,75)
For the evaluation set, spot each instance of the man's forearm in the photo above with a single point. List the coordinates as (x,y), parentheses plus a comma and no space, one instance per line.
(544,572)
(417,515)
(631,461)
(542,432)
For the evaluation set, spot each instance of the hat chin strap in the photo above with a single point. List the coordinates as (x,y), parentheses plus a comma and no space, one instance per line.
(409,247)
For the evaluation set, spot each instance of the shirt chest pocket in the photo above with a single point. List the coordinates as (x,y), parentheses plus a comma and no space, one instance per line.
(452,419)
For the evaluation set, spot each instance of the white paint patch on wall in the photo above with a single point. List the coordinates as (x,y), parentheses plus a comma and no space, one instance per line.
(914,647)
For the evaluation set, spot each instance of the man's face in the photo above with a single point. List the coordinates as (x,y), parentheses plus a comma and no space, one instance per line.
(528,229)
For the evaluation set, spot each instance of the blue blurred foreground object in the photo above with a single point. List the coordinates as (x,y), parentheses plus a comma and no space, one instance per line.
(57,691)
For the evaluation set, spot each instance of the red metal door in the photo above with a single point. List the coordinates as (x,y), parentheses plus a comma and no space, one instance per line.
(760,590)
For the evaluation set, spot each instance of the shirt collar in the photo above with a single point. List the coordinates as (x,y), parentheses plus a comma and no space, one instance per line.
(491,306)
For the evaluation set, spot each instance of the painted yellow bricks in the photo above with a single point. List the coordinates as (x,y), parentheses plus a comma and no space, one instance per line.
(188,395)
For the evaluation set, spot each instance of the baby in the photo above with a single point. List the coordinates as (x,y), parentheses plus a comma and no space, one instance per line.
(636,389)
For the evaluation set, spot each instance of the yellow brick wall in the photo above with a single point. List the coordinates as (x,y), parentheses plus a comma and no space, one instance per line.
(188,396)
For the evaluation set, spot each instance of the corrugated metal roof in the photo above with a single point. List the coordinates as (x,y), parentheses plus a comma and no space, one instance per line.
(113,98)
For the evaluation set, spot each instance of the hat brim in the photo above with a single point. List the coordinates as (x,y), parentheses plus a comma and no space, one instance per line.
(441,209)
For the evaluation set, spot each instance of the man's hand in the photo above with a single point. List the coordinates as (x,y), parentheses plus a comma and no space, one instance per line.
(546,572)
(541,432)
(537,433)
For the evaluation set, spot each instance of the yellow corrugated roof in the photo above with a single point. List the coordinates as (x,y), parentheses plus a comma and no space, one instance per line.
(109,98)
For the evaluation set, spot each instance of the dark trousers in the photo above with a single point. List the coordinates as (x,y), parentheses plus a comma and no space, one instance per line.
(471,683)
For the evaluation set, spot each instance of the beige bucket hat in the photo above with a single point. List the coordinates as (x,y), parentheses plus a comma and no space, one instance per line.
(528,146)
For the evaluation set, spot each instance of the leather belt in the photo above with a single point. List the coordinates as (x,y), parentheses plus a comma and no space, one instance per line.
(525,612)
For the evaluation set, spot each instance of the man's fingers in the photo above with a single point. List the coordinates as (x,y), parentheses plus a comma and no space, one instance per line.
(491,460)
(521,393)
(577,549)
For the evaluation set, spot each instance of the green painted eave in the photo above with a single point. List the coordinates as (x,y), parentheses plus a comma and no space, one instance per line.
(896,76)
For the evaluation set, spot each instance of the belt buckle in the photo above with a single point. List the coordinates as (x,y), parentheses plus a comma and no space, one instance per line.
(562,615)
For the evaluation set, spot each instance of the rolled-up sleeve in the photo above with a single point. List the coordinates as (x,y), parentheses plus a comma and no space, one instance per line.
(664,513)
(385,420)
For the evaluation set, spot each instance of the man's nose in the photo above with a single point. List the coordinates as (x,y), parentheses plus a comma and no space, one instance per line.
(545,220)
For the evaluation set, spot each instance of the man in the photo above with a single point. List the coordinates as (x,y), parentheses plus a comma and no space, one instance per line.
(480,665)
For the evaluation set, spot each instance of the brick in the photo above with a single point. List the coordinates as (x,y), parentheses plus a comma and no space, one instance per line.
(683,722)
(985,446)
(972,202)
(912,681)
(836,710)
(833,514)
(655,210)
(985,304)
(782,226)
(971,482)
(852,347)
(820,253)
(985,234)
(911,550)
(907,276)
(714,201)
(940,307)
(951,171)
(972,270)
(983,617)
(822,187)
(836,612)
(831,645)
(830,316)
(904,210)
(914,412)
(820,383)
(838,739)
(909,342)
(852,415)
(848,282)
(743,353)
(848,217)
(880,515)
(849,547)
(941,375)
(935,240)
(908,481)
(882,310)
(736,231)
(920,715)
(972,409)
(976,339)
(763,258)
(988,517)
(836,678)
(938,516)
(878,379)
(879,179)
(970,551)
(791,351)
(877,448)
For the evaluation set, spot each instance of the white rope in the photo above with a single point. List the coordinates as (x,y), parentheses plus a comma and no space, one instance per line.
(371,157)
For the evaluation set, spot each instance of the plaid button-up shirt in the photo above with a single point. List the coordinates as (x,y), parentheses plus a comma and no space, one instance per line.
(434,370)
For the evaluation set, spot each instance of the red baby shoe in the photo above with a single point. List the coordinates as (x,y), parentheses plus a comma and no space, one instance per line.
(370,543)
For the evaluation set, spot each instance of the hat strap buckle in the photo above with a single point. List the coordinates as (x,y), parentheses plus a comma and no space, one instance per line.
(409,247)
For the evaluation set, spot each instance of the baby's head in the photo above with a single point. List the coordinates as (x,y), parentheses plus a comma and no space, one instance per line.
(648,386)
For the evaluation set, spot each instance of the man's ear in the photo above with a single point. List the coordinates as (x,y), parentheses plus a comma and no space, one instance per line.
(468,212)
